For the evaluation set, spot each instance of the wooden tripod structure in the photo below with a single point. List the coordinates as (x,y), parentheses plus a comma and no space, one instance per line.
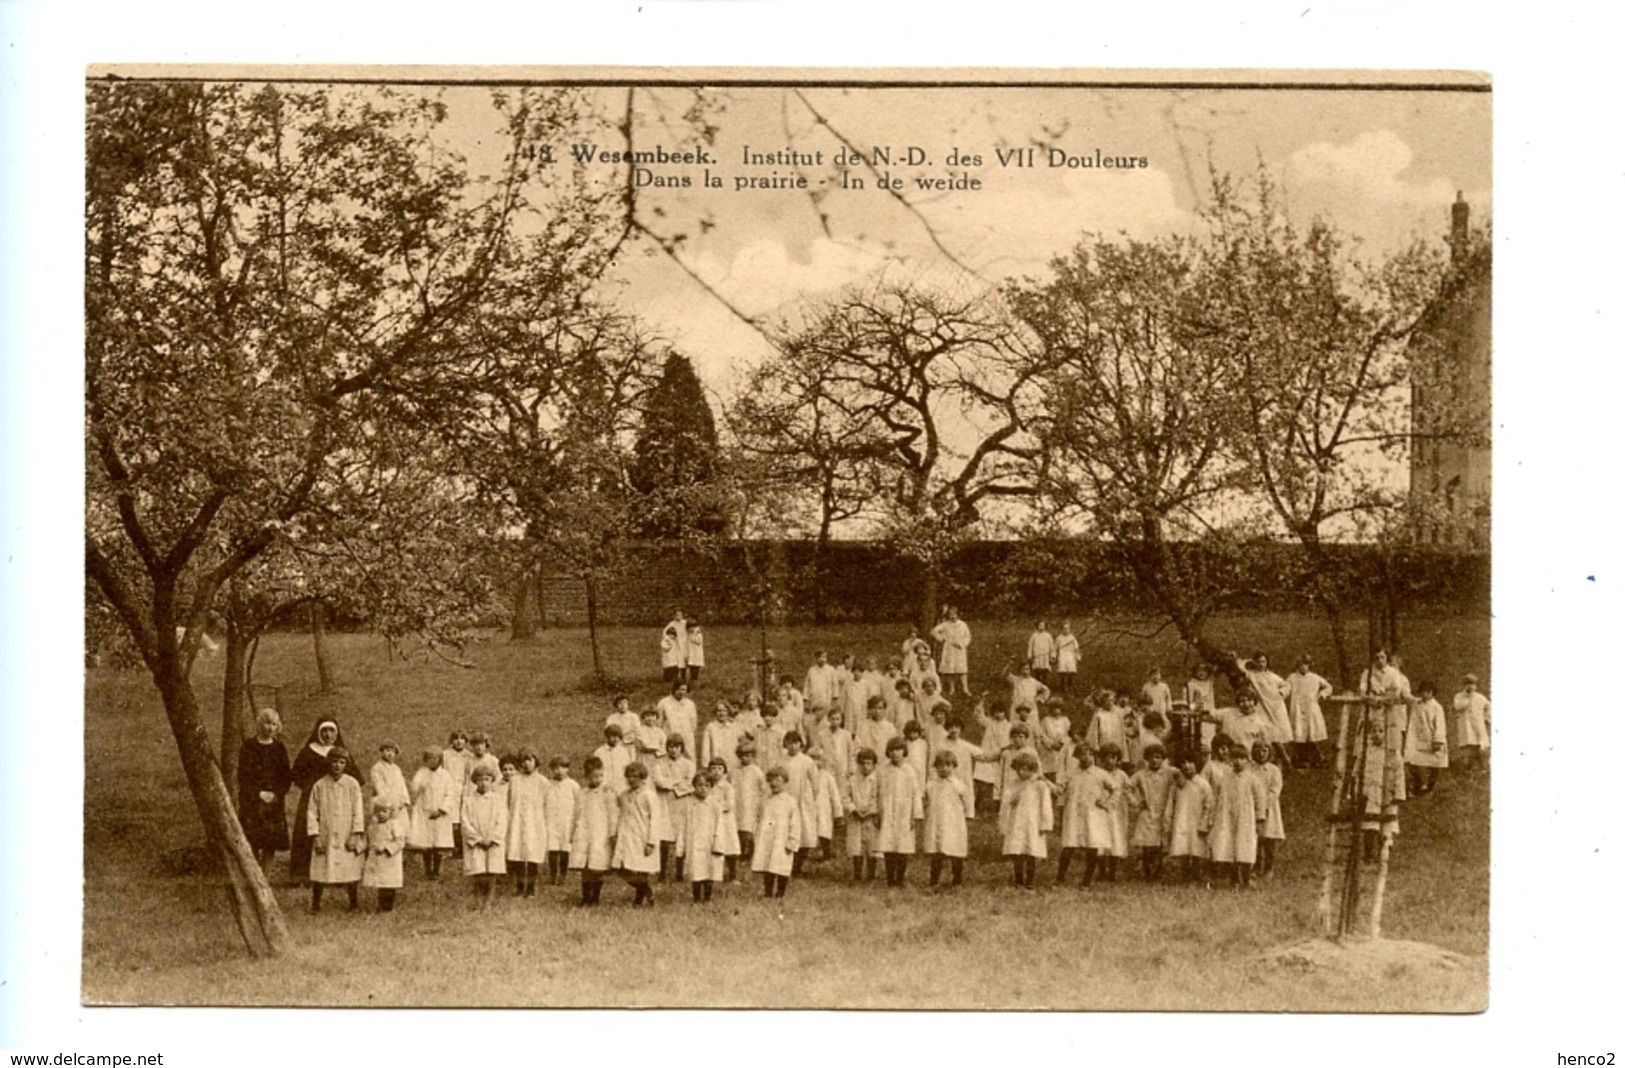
(1354,789)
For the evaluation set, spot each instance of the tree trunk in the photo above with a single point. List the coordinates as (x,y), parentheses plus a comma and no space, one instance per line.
(930,591)
(259,918)
(1333,608)
(318,634)
(233,721)
(591,585)
(820,547)
(525,597)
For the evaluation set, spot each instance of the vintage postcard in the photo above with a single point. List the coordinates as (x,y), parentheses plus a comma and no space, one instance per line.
(758,538)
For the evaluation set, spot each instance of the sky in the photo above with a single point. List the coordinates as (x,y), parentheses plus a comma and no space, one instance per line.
(1384,166)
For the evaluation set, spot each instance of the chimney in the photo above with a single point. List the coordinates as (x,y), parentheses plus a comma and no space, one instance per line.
(1458,228)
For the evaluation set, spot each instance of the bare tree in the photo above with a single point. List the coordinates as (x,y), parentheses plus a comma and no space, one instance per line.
(925,381)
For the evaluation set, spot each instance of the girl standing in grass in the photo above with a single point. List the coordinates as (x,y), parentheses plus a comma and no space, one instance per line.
(1151,791)
(624,719)
(1239,807)
(454,759)
(876,731)
(337,825)
(679,717)
(1083,818)
(1066,658)
(838,749)
(706,829)
(986,773)
(673,778)
(900,804)
(637,854)
(919,753)
(827,805)
(863,817)
(948,802)
(722,792)
(1190,816)
(480,756)
(750,720)
(770,739)
(801,783)
(750,789)
(1053,739)
(434,796)
(485,833)
(721,737)
(1026,815)
(1305,691)
(385,845)
(592,830)
(615,755)
(526,844)
(1020,745)
(1272,829)
(1116,805)
(1426,748)
(778,836)
(560,806)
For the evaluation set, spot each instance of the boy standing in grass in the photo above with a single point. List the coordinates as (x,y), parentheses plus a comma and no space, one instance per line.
(337,824)
(592,830)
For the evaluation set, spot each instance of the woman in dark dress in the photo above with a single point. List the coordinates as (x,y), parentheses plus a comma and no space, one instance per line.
(263,778)
(309,766)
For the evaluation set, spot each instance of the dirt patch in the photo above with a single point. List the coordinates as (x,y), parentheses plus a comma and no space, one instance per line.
(1366,960)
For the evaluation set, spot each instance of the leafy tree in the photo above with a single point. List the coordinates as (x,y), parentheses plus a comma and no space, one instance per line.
(793,435)
(1130,416)
(549,440)
(272,276)
(1321,406)
(675,462)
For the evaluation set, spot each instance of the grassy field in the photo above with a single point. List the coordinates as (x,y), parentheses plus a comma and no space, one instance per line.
(157,929)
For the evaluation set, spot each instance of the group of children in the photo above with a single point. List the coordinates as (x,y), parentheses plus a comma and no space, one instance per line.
(775,783)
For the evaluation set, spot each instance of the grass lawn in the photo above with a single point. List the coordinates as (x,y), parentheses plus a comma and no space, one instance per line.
(157,930)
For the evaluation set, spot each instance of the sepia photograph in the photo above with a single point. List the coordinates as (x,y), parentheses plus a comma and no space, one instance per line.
(784,539)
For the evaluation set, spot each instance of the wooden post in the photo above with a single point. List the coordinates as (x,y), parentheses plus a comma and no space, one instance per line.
(1393,779)
(1335,827)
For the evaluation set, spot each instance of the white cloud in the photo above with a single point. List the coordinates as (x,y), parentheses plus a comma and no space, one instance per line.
(1372,166)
